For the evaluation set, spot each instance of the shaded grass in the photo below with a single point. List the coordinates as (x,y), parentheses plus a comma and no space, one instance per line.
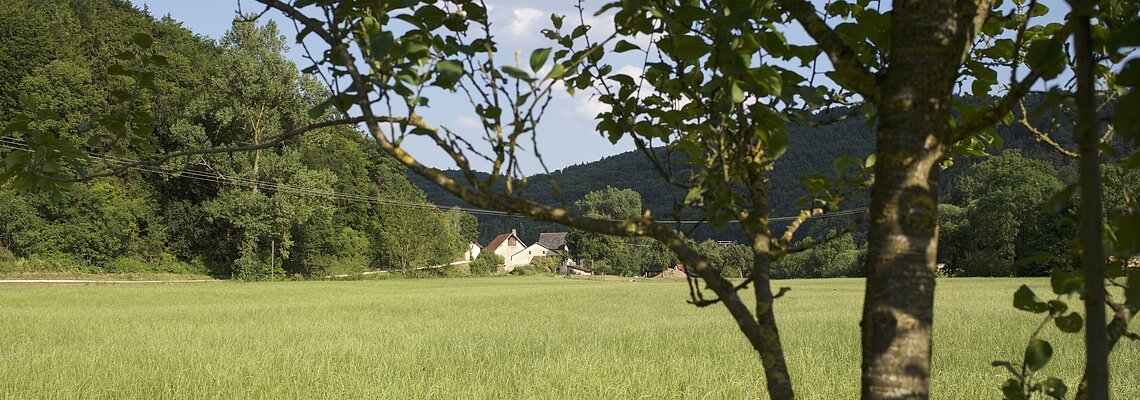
(481,338)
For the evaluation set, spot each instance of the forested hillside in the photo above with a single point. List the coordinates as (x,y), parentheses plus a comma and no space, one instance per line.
(811,151)
(269,213)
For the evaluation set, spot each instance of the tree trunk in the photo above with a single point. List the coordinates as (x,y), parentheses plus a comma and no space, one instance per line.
(913,134)
(1092,251)
(772,351)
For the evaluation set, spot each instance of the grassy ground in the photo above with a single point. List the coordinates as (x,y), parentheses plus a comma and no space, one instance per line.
(480,338)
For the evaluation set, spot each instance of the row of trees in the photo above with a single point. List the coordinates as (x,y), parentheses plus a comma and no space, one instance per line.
(326,203)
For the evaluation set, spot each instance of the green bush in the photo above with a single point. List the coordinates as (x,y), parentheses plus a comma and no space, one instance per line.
(456,270)
(47,263)
(486,263)
(6,255)
(548,264)
(524,270)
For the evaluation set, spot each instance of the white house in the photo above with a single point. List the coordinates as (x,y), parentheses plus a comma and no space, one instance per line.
(472,252)
(535,250)
(508,246)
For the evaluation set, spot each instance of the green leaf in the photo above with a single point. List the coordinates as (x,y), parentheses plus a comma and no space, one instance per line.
(1037,354)
(1130,162)
(1025,299)
(737,93)
(1065,282)
(144,130)
(118,70)
(29,102)
(980,88)
(1071,322)
(159,60)
(538,58)
(1038,257)
(381,44)
(15,126)
(318,110)
(689,48)
(142,40)
(448,73)
(1046,57)
(1132,293)
(776,141)
(1038,10)
(1130,74)
(517,73)
(1129,36)
(1060,199)
(556,20)
(623,46)
(1128,123)
(1055,388)
(693,195)
(556,72)
(1011,389)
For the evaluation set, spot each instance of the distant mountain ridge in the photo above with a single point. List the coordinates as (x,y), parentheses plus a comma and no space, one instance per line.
(811,150)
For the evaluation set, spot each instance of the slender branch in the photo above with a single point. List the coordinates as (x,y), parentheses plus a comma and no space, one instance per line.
(855,75)
(1017,91)
(1042,136)
(815,243)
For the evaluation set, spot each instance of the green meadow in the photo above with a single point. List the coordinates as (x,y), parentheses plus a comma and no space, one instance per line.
(530,337)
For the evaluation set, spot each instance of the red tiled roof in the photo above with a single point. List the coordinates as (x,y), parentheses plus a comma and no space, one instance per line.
(498,241)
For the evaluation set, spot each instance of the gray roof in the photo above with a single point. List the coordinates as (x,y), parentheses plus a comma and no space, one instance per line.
(552,240)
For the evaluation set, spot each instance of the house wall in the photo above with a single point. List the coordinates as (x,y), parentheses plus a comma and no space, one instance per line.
(472,252)
(525,256)
(508,250)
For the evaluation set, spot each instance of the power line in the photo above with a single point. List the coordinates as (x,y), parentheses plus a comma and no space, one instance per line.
(16,144)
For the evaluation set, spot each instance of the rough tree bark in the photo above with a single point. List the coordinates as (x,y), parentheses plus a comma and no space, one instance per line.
(1092,250)
(772,352)
(928,40)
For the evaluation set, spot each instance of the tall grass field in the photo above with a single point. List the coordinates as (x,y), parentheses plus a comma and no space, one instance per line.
(517,338)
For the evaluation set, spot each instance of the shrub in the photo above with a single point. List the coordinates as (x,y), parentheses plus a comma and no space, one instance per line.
(6,255)
(548,264)
(456,270)
(486,263)
(529,269)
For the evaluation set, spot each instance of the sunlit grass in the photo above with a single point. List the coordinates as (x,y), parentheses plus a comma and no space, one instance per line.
(481,338)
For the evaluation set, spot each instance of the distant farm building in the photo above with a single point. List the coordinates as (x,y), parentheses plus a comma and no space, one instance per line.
(472,252)
(555,241)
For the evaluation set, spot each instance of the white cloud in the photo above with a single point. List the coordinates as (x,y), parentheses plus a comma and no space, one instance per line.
(467,122)
(524,18)
(590,107)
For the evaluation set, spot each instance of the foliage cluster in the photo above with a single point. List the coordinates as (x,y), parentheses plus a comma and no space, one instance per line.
(268,213)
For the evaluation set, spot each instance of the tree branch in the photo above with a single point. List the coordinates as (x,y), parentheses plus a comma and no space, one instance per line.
(854,73)
(1003,107)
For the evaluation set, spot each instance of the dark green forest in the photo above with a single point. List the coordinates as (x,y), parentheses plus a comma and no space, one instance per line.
(253,215)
